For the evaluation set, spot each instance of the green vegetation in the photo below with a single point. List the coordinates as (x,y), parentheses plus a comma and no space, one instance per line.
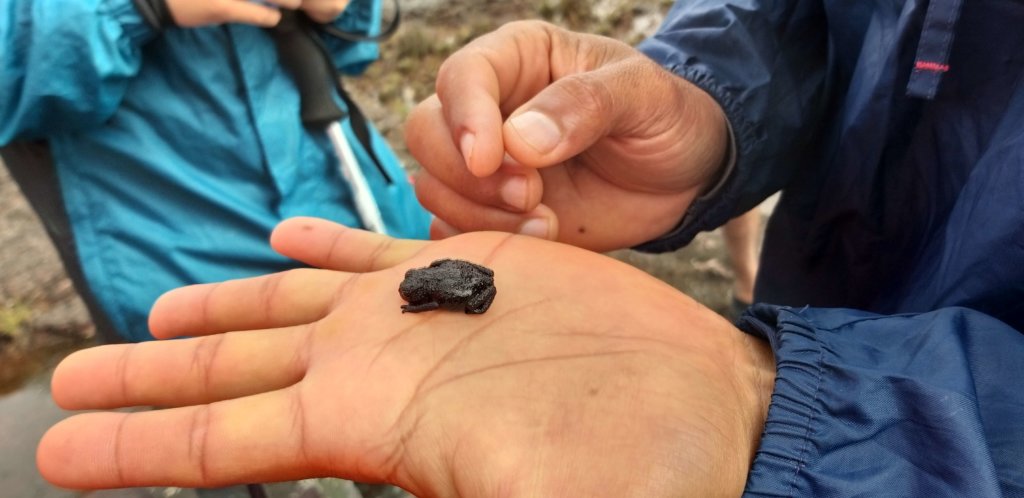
(12,321)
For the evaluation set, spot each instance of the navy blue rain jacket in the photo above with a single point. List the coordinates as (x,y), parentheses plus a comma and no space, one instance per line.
(896,130)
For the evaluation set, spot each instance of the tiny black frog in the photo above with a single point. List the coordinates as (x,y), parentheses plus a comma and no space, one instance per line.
(450,284)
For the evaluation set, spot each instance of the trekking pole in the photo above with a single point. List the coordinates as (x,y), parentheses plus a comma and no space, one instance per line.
(305,58)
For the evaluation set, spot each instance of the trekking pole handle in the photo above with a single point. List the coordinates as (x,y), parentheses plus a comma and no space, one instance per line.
(303,57)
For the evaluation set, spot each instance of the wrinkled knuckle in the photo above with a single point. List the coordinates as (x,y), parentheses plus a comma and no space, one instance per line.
(125,371)
(205,359)
(446,74)
(198,447)
(591,96)
(270,290)
(377,255)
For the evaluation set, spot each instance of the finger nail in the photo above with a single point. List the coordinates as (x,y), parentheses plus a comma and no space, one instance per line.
(537,130)
(536,227)
(513,193)
(466,145)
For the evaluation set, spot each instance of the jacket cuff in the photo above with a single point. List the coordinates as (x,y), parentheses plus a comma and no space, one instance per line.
(901,405)
(793,413)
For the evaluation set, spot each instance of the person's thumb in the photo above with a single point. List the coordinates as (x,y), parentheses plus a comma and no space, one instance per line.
(575,111)
(563,120)
(630,107)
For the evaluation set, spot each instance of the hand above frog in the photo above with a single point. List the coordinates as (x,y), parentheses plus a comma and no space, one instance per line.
(564,136)
(586,377)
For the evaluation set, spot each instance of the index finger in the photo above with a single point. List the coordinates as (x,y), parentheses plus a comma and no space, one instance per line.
(328,245)
(287,298)
(485,81)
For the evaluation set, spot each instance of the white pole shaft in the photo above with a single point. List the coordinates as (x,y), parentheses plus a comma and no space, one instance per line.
(366,206)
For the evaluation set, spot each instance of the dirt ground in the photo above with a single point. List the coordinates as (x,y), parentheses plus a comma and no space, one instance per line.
(40,314)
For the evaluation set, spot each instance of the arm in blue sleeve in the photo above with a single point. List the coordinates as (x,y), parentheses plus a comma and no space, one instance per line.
(64,65)
(362,17)
(765,62)
(907,405)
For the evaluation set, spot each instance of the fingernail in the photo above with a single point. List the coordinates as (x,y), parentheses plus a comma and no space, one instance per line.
(537,130)
(513,192)
(466,145)
(536,227)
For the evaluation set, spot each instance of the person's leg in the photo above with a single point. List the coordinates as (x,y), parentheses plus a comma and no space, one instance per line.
(743,242)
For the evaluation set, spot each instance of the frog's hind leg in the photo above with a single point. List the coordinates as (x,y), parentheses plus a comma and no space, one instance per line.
(480,302)
(417,308)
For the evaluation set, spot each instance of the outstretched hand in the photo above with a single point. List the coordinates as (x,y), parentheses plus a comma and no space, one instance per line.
(585,378)
(565,136)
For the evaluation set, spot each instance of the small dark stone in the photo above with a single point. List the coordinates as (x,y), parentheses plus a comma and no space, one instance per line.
(450,284)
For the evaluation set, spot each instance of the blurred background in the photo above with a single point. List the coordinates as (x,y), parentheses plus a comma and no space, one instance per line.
(42,318)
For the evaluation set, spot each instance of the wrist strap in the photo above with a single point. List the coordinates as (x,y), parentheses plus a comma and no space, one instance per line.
(156,13)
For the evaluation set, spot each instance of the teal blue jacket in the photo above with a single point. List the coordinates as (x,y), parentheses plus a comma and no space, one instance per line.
(177,152)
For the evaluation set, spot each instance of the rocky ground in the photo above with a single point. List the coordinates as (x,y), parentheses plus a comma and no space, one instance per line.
(40,313)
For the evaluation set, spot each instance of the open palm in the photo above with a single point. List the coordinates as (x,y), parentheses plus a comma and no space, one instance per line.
(585,378)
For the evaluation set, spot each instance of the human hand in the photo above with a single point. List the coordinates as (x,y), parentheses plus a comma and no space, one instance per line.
(583,136)
(586,377)
(194,13)
(324,11)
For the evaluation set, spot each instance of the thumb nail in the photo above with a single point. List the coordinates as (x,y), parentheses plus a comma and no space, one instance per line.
(537,130)
(536,227)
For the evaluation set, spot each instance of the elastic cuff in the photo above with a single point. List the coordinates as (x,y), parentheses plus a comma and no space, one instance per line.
(728,165)
(793,415)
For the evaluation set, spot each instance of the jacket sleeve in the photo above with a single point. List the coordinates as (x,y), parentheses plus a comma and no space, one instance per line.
(906,405)
(765,62)
(361,17)
(64,65)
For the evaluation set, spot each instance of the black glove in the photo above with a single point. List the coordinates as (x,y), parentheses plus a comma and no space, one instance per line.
(156,13)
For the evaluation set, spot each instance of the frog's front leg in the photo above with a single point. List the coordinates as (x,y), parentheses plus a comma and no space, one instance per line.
(480,302)
(417,308)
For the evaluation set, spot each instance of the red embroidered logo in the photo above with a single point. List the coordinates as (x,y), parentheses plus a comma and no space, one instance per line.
(931,66)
